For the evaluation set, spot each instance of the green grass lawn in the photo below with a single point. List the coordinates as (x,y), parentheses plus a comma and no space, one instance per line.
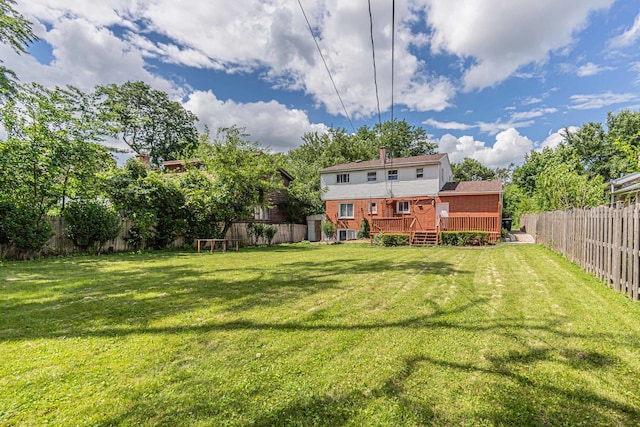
(316,335)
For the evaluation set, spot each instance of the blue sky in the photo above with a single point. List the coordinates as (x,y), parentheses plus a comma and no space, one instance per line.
(487,79)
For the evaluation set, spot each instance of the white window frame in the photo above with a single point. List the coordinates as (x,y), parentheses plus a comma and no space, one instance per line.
(400,205)
(371,175)
(342,178)
(392,175)
(349,234)
(340,213)
(372,208)
(419,173)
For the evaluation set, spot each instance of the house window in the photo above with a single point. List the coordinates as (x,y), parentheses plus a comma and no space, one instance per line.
(372,176)
(345,210)
(420,173)
(392,175)
(402,207)
(373,208)
(342,178)
(346,235)
(262,213)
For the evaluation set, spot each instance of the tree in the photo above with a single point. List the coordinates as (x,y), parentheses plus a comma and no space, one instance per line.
(91,224)
(471,170)
(242,174)
(148,121)
(403,140)
(52,151)
(16,32)
(153,200)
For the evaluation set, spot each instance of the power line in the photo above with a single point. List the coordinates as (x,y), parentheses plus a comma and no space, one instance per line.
(393,49)
(375,73)
(326,66)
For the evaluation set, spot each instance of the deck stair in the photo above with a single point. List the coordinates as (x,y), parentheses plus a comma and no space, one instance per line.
(424,238)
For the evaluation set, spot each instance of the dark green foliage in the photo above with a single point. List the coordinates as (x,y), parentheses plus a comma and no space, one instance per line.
(364,232)
(383,239)
(23,231)
(471,170)
(255,230)
(147,120)
(90,224)
(464,238)
(154,201)
(269,232)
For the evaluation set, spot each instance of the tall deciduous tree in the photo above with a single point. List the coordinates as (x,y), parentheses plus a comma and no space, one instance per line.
(52,151)
(472,170)
(242,172)
(147,120)
(404,140)
(16,32)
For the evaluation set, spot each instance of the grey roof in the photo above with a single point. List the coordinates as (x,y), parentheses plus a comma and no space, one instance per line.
(493,186)
(377,163)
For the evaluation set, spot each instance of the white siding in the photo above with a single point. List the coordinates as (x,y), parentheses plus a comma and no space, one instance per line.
(407,184)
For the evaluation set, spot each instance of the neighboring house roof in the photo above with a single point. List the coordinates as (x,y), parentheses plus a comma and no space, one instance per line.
(471,187)
(390,163)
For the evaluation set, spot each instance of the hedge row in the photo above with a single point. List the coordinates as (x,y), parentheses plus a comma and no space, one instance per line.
(464,238)
(391,239)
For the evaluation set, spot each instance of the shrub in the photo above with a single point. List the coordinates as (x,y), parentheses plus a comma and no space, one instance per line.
(90,224)
(364,232)
(464,238)
(22,229)
(269,233)
(328,228)
(391,239)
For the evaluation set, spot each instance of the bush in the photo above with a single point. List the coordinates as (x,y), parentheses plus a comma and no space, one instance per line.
(464,238)
(269,233)
(328,228)
(22,229)
(391,239)
(364,232)
(90,224)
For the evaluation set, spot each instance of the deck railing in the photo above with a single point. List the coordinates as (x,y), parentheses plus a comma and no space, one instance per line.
(392,224)
(472,223)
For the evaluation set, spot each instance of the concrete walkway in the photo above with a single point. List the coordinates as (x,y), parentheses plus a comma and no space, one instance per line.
(519,237)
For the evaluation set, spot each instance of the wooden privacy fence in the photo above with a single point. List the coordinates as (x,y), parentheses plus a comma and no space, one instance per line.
(604,241)
(59,244)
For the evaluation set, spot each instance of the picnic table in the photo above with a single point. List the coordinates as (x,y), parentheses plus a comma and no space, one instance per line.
(224,244)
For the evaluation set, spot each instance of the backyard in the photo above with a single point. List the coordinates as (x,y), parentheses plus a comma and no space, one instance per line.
(316,335)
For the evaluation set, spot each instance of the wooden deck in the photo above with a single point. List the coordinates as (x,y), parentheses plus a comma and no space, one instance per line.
(409,225)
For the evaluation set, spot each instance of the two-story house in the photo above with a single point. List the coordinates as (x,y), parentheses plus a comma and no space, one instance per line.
(410,195)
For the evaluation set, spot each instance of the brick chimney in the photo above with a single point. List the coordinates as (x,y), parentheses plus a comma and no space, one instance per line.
(144,159)
(383,155)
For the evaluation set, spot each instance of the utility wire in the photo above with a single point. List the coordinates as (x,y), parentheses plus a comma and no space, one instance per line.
(375,72)
(393,49)
(326,66)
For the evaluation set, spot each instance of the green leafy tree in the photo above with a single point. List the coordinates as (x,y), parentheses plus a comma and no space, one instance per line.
(404,140)
(16,32)
(23,230)
(472,170)
(269,232)
(91,224)
(148,121)
(242,173)
(52,150)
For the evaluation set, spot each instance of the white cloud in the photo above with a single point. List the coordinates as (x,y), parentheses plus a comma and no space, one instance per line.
(509,147)
(503,36)
(447,125)
(270,123)
(629,37)
(554,139)
(538,112)
(267,38)
(591,69)
(594,101)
